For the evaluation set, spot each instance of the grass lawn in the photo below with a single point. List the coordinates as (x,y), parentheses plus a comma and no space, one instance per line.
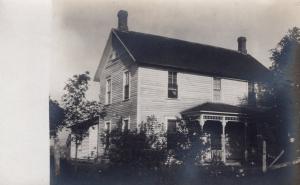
(184,175)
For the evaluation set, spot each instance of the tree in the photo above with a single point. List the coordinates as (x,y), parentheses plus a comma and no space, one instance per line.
(282,92)
(56,121)
(56,116)
(77,108)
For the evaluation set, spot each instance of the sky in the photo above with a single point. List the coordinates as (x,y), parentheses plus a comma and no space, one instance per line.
(82,27)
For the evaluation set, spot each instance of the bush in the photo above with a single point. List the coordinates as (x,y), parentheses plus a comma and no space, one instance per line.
(143,149)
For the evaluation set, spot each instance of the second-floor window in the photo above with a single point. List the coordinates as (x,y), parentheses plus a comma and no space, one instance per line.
(108,91)
(251,93)
(172,85)
(217,90)
(126,80)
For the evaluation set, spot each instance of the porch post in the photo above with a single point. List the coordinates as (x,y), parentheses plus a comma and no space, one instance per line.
(223,140)
(201,122)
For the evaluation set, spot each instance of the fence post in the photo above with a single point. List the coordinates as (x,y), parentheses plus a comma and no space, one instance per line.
(264,156)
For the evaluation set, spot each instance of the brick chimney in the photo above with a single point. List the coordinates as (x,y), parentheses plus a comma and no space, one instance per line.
(122,20)
(242,45)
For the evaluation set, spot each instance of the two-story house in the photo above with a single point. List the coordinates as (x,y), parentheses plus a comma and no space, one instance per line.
(142,74)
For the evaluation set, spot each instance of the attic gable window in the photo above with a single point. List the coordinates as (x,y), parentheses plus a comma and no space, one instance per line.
(126,85)
(113,55)
(172,85)
(217,90)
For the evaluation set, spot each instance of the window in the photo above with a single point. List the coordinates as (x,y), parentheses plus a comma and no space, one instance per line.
(126,80)
(125,125)
(113,55)
(251,93)
(172,85)
(107,126)
(217,90)
(108,91)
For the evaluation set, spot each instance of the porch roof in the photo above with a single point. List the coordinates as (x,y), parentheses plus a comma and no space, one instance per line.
(218,108)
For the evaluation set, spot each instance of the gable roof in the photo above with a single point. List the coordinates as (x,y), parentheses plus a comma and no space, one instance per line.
(153,50)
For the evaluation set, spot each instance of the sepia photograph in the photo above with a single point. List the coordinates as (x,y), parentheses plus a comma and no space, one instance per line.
(171,92)
(156,93)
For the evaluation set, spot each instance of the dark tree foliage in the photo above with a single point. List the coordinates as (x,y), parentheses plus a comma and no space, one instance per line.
(282,93)
(77,107)
(56,116)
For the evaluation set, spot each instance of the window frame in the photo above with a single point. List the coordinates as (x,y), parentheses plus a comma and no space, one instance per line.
(217,89)
(124,85)
(173,84)
(123,124)
(105,126)
(113,55)
(108,100)
(107,132)
(171,135)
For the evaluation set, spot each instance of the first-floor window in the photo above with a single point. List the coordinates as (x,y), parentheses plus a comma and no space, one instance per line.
(107,128)
(125,125)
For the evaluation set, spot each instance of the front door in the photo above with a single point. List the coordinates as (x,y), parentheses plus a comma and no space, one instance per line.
(212,130)
(235,141)
(171,134)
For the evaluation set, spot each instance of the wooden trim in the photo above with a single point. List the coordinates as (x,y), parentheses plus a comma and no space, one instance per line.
(103,56)
(213,112)
(138,113)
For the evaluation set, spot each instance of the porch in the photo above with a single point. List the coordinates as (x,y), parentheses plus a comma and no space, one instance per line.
(224,131)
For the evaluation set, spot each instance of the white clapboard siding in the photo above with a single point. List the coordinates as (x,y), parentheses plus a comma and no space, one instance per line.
(83,148)
(193,90)
(233,91)
(73,147)
(93,133)
(87,148)
(120,108)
